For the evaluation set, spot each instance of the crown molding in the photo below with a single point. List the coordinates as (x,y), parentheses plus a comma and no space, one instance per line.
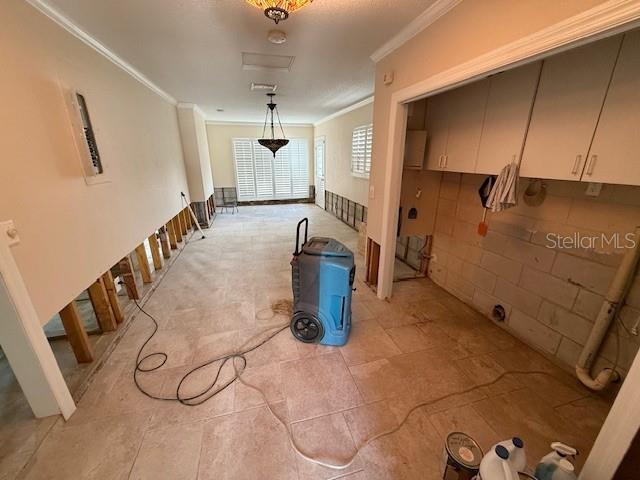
(422,21)
(66,23)
(606,19)
(348,109)
(254,124)
(193,106)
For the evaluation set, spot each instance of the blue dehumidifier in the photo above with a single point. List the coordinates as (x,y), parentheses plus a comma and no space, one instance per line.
(323,272)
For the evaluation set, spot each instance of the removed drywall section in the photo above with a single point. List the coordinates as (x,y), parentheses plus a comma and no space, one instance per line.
(195,147)
(338,133)
(220,138)
(71,232)
(551,289)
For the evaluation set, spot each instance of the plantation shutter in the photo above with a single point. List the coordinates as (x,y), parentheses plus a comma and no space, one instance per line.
(299,159)
(263,160)
(361,145)
(282,169)
(243,154)
(260,176)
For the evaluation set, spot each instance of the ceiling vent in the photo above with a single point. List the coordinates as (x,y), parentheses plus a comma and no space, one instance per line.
(273,63)
(263,87)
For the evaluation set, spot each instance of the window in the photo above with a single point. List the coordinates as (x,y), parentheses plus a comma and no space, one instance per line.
(361,143)
(259,176)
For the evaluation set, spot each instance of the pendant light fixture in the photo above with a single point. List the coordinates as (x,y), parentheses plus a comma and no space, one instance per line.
(274,144)
(278,10)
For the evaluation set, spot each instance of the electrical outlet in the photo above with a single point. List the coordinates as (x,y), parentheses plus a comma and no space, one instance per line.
(593,189)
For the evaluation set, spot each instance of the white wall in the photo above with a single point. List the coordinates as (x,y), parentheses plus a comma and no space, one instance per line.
(195,148)
(338,132)
(70,232)
(221,151)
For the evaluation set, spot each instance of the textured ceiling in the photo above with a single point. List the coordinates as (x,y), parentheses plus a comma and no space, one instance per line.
(193,50)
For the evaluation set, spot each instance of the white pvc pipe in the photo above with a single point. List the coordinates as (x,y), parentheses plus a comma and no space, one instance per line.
(608,312)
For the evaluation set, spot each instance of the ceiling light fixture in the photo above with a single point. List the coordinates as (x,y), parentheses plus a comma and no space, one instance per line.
(278,10)
(274,144)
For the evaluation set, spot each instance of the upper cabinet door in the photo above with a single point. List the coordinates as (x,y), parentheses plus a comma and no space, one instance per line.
(506,118)
(615,152)
(570,96)
(466,107)
(437,131)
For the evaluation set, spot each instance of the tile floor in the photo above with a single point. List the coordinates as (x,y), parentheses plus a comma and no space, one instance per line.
(420,346)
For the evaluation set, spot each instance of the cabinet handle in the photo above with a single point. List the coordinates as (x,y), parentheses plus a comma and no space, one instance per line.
(446,157)
(576,164)
(440,158)
(592,164)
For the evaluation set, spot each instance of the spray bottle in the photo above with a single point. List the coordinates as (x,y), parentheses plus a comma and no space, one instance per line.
(555,465)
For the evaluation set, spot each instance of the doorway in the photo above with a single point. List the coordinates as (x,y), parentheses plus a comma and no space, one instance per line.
(320,151)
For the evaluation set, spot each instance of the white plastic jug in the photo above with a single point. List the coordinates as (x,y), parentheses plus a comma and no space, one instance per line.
(498,465)
(555,465)
(517,457)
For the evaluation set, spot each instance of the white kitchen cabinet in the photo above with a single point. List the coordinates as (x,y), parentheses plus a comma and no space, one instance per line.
(615,152)
(506,117)
(570,96)
(414,149)
(437,131)
(466,106)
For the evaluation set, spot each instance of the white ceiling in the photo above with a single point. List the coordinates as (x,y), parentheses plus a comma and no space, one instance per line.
(192,50)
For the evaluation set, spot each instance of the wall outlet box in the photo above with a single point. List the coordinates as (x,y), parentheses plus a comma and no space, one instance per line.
(593,189)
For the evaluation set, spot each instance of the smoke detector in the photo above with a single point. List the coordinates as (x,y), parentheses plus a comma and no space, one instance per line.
(277,36)
(263,87)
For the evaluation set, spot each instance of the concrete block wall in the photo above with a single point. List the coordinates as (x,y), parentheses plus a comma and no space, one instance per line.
(552,295)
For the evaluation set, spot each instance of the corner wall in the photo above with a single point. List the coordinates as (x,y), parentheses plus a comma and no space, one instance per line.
(338,133)
(552,295)
(71,232)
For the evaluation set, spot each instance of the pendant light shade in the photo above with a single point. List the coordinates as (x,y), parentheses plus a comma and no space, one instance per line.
(278,10)
(274,144)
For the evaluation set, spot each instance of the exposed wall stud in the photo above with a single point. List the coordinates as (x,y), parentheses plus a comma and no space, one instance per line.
(183,222)
(171,233)
(164,242)
(107,280)
(101,306)
(155,251)
(76,333)
(143,263)
(177,227)
(128,278)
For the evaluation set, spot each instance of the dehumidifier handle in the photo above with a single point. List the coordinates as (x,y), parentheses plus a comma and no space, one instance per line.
(306,229)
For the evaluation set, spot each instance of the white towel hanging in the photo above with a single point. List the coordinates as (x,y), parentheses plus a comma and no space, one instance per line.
(504,193)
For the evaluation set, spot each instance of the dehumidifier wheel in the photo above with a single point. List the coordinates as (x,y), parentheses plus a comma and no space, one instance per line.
(306,327)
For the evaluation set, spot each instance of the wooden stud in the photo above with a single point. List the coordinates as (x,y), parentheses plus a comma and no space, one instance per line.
(76,333)
(373,262)
(101,306)
(143,263)
(164,242)
(155,251)
(189,219)
(177,227)
(171,233)
(110,287)
(126,272)
(183,222)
